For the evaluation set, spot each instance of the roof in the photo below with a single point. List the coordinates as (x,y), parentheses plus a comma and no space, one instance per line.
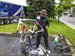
(17,2)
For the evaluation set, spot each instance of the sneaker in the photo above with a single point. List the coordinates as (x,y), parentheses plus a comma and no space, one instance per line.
(48,51)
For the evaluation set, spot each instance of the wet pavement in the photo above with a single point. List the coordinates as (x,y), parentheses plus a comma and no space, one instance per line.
(11,46)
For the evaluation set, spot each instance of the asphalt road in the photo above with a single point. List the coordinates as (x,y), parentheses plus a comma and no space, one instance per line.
(10,46)
(68,19)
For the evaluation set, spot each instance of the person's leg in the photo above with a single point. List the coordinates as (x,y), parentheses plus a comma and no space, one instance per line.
(45,36)
(37,43)
(38,40)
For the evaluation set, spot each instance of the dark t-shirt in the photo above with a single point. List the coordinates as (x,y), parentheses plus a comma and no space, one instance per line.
(43,21)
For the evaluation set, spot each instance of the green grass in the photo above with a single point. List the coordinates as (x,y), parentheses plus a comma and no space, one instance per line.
(8,28)
(61,28)
(55,27)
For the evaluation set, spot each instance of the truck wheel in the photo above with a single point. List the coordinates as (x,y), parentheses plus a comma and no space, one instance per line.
(10,20)
(5,21)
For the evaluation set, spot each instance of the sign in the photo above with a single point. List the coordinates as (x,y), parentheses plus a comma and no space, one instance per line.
(3,12)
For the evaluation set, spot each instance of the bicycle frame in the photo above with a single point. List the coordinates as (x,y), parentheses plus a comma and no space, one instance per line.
(20,22)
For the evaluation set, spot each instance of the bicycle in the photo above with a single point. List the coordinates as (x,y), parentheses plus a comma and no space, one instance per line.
(24,36)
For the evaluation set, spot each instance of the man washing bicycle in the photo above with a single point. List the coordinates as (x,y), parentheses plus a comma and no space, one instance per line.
(42,22)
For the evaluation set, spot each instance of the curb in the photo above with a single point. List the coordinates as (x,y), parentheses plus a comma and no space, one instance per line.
(71,48)
(9,34)
(68,24)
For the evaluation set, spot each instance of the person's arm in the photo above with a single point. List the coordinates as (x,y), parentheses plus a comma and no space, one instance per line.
(39,26)
(47,22)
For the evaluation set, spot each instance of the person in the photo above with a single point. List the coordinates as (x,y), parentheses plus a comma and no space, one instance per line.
(42,22)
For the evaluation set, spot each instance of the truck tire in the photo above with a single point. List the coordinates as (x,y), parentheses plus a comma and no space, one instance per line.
(5,21)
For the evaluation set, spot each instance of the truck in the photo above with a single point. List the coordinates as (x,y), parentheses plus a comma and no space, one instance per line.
(11,11)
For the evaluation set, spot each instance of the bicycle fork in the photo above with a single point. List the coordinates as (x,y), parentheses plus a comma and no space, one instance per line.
(23,38)
(30,44)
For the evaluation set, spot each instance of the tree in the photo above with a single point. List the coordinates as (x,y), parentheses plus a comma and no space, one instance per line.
(37,5)
(64,5)
(67,4)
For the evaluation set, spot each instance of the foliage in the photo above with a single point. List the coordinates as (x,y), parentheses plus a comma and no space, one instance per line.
(36,5)
(63,6)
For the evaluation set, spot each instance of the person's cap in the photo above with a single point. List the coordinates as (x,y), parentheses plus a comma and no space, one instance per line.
(43,11)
